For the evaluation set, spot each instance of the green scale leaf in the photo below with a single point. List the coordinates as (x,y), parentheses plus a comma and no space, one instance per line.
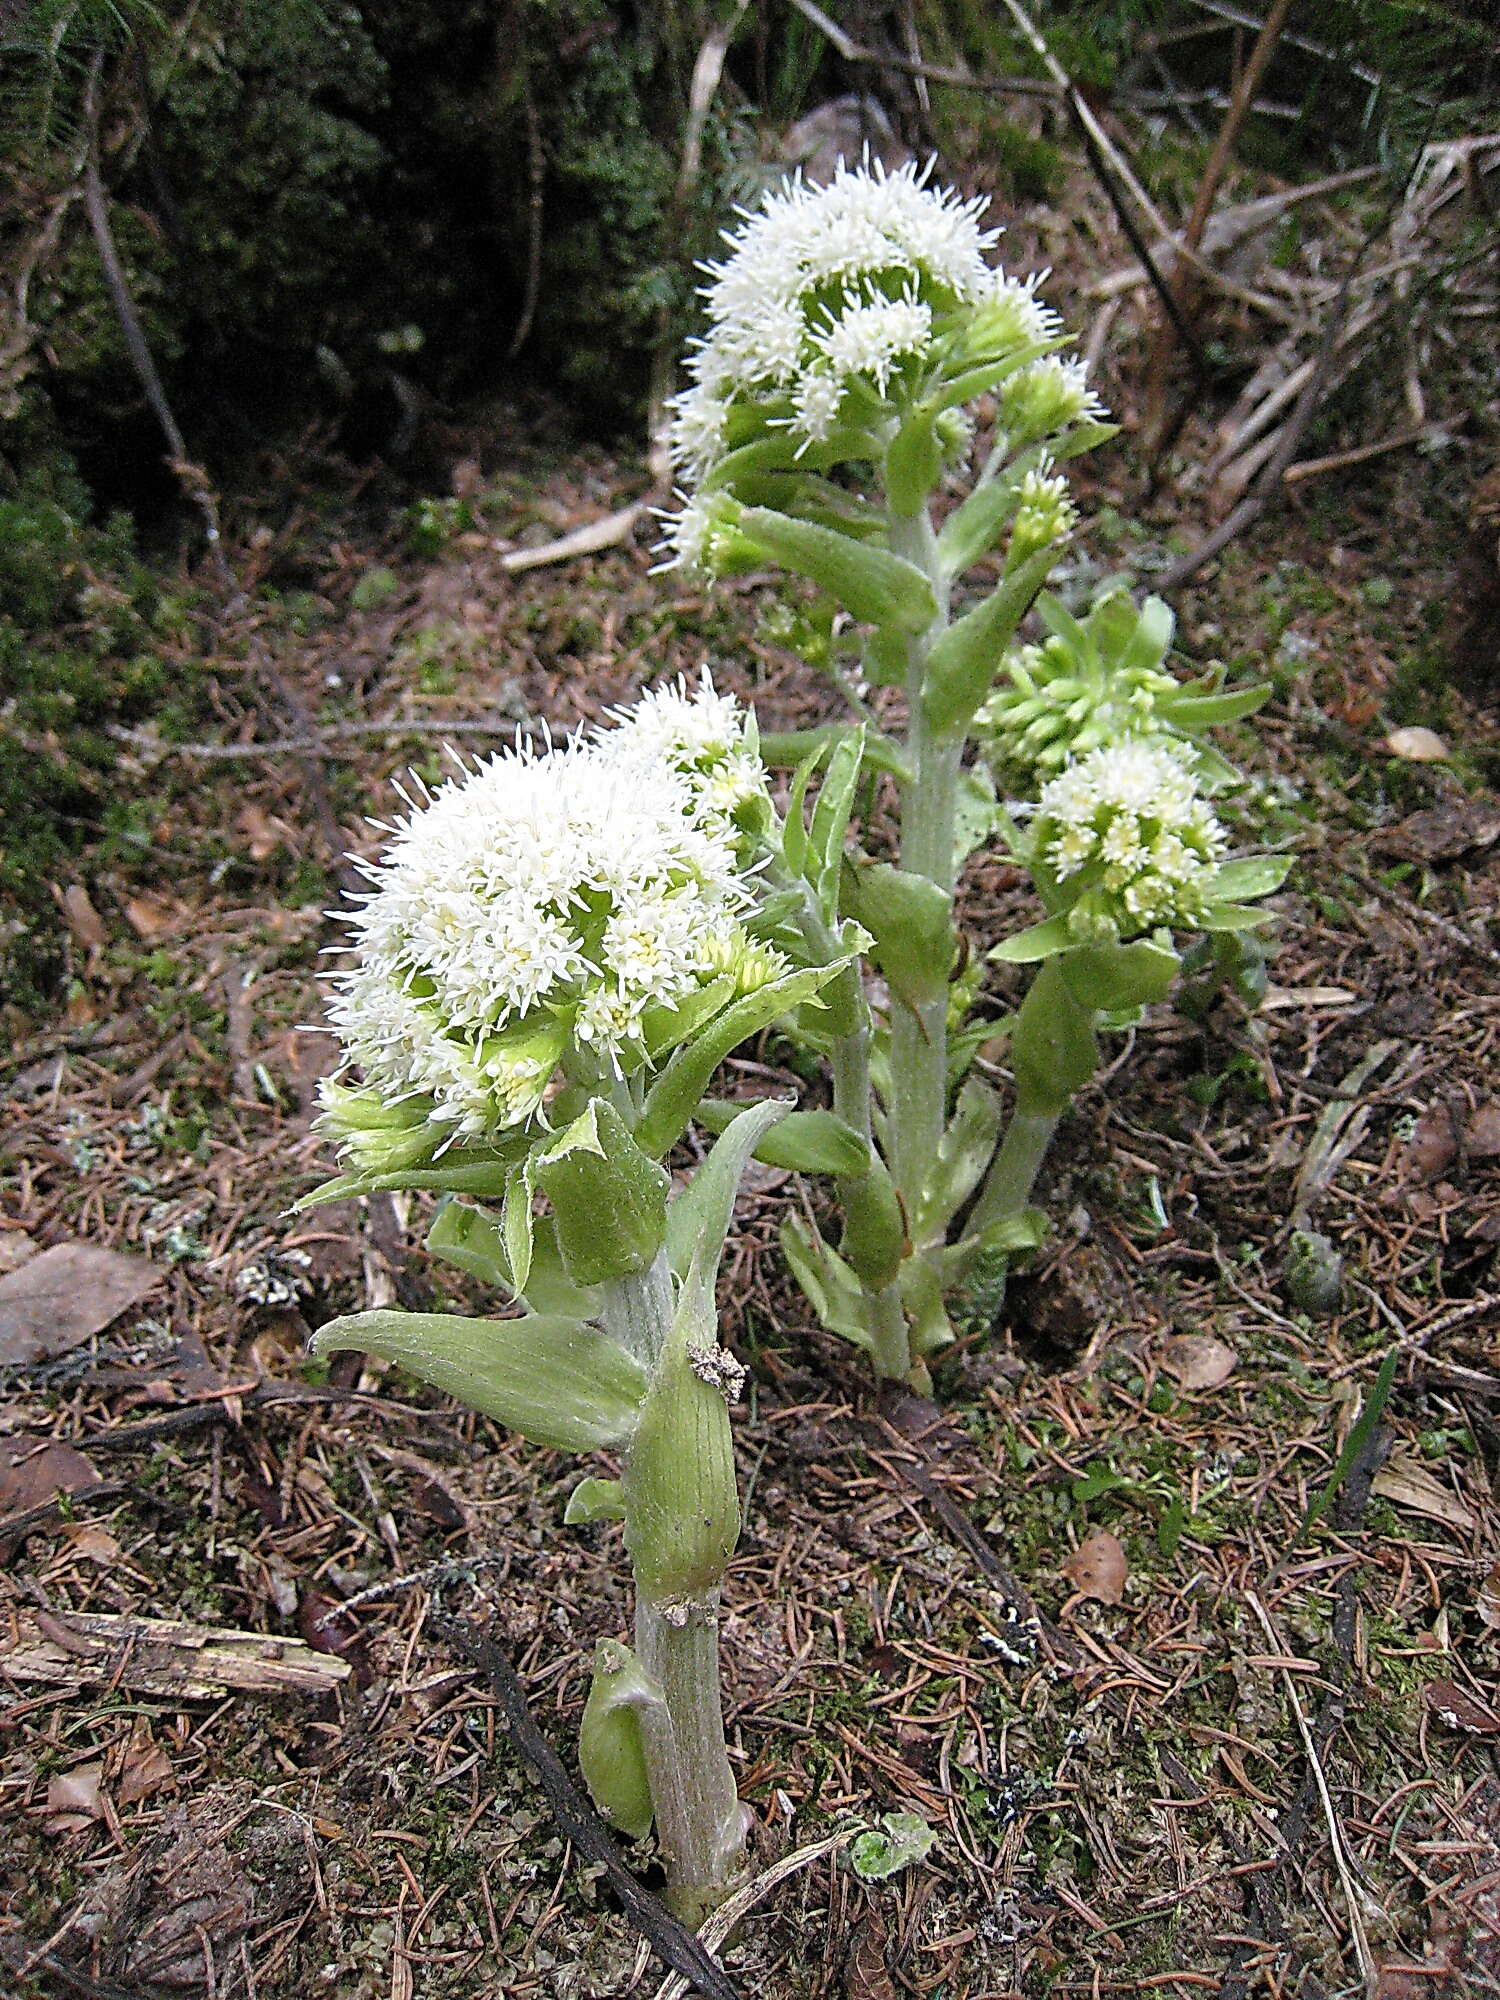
(556,1381)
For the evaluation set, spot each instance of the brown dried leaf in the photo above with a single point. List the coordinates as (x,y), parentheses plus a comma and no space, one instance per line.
(1433,1146)
(260,833)
(149,916)
(147,1768)
(1198,1360)
(1482,1139)
(1416,745)
(1097,1568)
(82,919)
(1443,832)
(76,1792)
(1450,1704)
(1407,1484)
(60,1299)
(1488,1600)
(33,1470)
(95,1544)
(16,1249)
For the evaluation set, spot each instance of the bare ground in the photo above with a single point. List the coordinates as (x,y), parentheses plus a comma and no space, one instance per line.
(1268,1768)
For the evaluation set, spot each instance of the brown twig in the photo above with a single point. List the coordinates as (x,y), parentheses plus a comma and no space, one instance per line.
(1157,431)
(1258,498)
(673,1943)
(192,478)
(855,52)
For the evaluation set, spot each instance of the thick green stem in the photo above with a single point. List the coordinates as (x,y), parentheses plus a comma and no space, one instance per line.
(1012,1175)
(919,1036)
(700,1822)
(637,1310)
(681,1521)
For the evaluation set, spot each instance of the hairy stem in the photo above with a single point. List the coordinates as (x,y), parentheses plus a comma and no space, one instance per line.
(1012,1175)
(700,1822)
(919,1035)
(681,1521)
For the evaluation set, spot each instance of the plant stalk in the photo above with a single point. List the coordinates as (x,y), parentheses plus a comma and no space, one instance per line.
(919,1036)
(700,1822)
(1013,1171)
(680,1526)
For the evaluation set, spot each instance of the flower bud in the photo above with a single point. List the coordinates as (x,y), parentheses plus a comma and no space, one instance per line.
(373,1136)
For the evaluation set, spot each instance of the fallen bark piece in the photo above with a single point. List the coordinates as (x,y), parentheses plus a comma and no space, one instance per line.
(60,1299)
(161,1656)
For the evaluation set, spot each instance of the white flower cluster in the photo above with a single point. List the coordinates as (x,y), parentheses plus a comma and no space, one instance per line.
(1127,826)
(834,290)
(545,901)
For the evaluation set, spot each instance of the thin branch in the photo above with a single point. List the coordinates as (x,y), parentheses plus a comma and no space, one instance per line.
(1157,430)
(319,739)
(852,51)
(580,1823)
(1258,498)
(536,164)
(193,479)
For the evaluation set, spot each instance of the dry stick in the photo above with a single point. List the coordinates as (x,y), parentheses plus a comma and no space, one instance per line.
(1258,498)
(322,737)
(1110,166)
(856,52)
(1369,1970)
(536,171)
(707,71)
(674,1943)
(193,480)
(1157,432)
(1104,157)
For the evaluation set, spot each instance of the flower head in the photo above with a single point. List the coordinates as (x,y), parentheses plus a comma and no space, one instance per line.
(545,902)
(1128,841)
(838,306)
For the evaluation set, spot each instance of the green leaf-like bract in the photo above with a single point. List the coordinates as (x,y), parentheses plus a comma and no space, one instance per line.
(611,1754)
(963,662)
(608,1196)
(873,585)
(911,921)
(556,1381)
(809,1142)
(674,1096)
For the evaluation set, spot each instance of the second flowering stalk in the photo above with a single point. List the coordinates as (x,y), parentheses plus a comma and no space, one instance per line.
(557,953)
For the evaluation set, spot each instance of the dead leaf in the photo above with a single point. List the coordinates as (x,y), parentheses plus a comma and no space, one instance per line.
(1198,1360)
(1416,745)
(95,1544)
(149,916)
(1450,1704)
(1433,1146)
(76,1796)
(1407,1484)
(260,833)
(1482,1139)
(34,1470)
(82,919)
(61,1298)
(1442,832)
(1097,1568)
(147,1768)
(1488,1600)
(16,1248)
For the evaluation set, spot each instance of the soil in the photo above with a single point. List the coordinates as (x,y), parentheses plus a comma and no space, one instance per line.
(1249,1749)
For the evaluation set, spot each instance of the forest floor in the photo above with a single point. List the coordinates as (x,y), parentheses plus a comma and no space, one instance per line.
(1225,1750)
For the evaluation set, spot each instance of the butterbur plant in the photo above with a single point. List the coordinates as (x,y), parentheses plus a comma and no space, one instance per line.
(832,426)
(557,952)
